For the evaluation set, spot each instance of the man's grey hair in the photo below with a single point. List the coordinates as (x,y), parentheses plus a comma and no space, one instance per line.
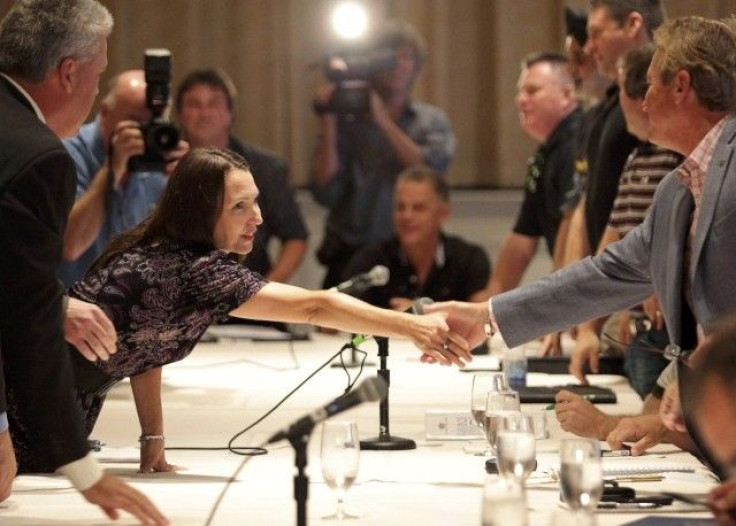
(37,35)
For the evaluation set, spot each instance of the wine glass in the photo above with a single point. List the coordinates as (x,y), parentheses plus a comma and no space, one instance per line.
(340,452)
(516,446)
(581,477)
(483,384)
(498,404)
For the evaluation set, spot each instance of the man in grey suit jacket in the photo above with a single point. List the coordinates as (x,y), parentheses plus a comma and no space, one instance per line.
(683,252)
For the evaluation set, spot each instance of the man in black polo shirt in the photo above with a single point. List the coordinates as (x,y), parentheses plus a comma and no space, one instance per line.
(422,260)
(615,27)
(549,113)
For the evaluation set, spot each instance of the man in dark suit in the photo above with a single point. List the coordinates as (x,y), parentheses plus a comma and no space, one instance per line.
(683,252)
(41,100)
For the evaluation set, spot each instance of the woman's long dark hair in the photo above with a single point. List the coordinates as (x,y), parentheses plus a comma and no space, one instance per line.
(189,207)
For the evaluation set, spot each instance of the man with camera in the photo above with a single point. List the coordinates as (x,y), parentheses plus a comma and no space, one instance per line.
(361,150)
(111,197)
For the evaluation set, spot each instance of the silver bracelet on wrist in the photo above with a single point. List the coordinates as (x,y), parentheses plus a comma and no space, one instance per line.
(146,438)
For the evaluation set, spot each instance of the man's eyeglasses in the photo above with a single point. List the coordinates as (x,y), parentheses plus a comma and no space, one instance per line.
(670,352)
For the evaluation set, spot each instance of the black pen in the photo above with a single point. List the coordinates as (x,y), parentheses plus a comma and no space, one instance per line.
(588,397)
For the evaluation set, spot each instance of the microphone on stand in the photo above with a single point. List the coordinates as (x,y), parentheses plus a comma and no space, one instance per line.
(385,441)
(298,435)
(378,276)
(375,277)
(370,390)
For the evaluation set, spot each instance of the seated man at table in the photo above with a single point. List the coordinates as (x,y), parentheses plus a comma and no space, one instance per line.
(421,258)
(581,417)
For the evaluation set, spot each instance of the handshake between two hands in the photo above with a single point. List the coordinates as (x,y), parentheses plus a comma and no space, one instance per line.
(460,329)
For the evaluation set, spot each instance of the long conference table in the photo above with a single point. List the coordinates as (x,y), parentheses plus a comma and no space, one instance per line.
(225,386)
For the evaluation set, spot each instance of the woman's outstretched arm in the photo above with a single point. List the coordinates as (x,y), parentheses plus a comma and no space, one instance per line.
(287,303)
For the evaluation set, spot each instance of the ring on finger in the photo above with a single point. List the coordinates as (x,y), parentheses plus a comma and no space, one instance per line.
(446,344)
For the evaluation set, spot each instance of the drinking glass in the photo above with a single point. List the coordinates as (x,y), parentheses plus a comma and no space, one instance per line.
(340,452)
(498,404)
(483,384)
(518,421)
(581,477)
(540,424)
(504,503)
(516,446)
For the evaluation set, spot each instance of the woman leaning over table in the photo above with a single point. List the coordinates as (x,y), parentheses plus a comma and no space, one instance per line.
(164,282)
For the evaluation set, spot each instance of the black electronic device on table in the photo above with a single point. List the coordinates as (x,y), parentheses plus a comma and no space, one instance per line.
(545,364)
(546,394)
(561,365)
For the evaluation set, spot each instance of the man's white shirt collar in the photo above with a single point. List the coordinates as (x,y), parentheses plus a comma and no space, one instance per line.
(23,92)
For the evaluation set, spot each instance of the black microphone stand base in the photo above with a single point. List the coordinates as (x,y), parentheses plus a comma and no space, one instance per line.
(387,442)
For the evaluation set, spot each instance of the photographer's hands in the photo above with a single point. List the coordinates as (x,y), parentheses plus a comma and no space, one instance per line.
(174,156)
(126,142)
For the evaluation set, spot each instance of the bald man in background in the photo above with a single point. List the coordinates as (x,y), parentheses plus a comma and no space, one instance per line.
(110,198)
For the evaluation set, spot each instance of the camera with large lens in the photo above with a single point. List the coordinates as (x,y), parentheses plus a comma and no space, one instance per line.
(159,135)
(353,74)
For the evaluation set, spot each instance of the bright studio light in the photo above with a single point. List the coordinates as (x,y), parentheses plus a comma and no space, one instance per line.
(350,20)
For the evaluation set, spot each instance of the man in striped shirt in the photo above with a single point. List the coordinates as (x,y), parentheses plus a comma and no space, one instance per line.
(645,167)
(642,328)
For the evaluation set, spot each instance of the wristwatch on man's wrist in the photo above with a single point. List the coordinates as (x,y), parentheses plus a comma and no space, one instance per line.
(488,325)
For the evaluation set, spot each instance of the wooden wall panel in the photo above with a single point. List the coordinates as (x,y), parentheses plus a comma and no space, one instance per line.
(272,49)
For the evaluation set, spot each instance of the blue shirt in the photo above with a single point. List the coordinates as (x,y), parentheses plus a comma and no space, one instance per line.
(125,207)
